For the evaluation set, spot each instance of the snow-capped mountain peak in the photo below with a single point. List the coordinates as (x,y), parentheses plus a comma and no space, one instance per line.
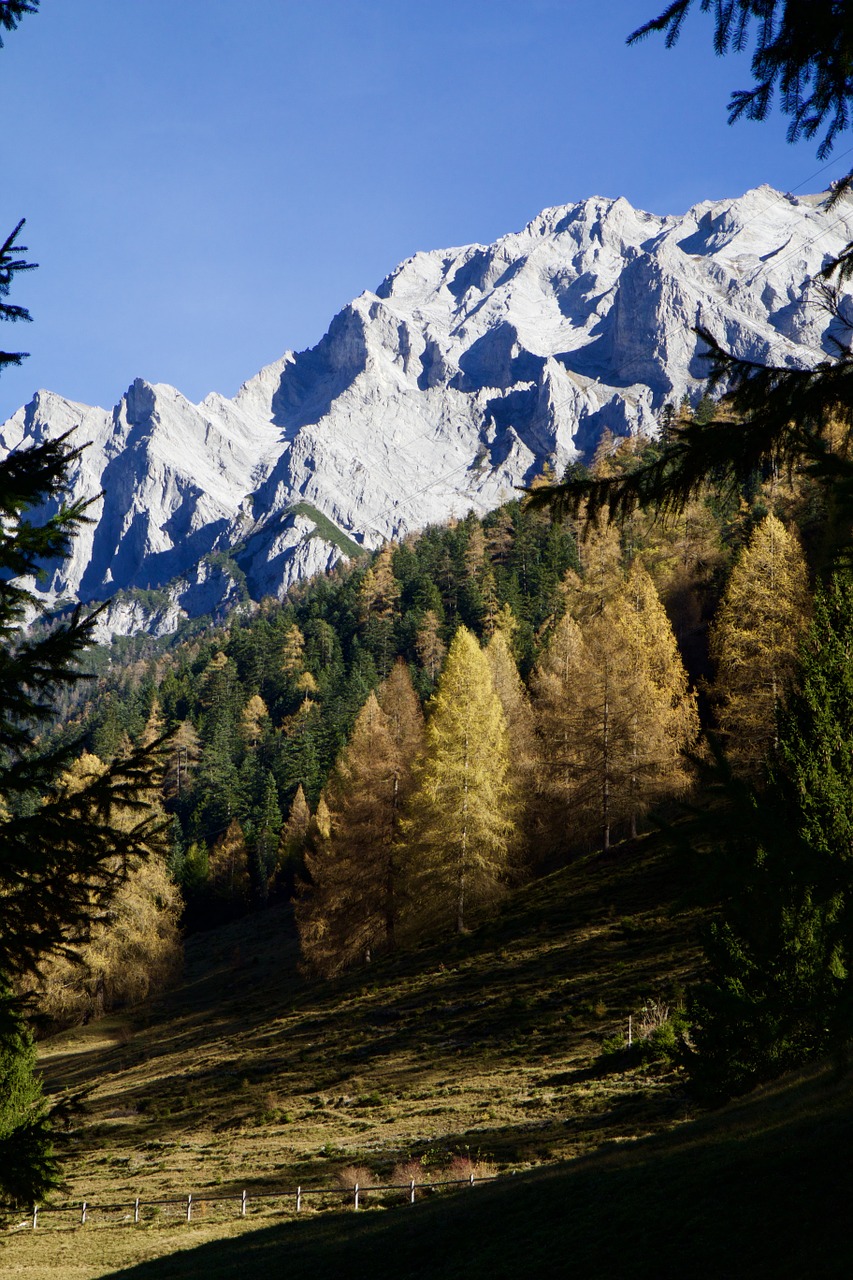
(453,382)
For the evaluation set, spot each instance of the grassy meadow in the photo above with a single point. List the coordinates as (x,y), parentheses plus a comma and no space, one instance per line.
(481,1048)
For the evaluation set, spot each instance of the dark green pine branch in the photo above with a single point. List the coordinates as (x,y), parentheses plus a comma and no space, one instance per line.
(803,49)
(10,264)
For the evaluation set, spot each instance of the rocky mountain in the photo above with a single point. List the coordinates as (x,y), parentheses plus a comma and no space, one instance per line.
(452,383)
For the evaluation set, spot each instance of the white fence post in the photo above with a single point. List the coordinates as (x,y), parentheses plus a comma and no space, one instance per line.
(298,1199)
(630,1030)
(189,1208)
(136,1210)
(471,1179)
(243,1205)
(412,1191)
(83,1215)
(35,1216)
(356,1195)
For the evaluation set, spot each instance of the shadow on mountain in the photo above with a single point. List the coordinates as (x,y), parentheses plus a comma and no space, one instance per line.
(310,385)
(497,360)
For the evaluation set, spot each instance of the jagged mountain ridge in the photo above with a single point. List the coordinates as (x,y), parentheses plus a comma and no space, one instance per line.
(450,384)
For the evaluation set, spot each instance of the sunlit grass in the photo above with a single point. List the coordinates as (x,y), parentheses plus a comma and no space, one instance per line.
(247,1076)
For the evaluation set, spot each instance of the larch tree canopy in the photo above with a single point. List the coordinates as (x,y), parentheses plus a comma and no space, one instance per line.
(755,641)
(350,910)
(460,820)
(613,709)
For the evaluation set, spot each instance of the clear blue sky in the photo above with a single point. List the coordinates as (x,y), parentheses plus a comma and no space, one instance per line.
(206,182)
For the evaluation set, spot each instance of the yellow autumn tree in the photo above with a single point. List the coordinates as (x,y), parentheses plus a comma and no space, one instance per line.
(520,722)
(254,718)
(292,842)
(754,640)
(379,590)
(292,650)
(430,647)
(583,698)
(183,754)
(614,711)
(132,950)
(228,867)
(666,720)
(459,826)
(349,912)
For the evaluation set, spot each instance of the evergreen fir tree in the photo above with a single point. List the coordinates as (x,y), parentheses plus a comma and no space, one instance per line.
(780,990)
(30,1168)
(265,837)
(62,857)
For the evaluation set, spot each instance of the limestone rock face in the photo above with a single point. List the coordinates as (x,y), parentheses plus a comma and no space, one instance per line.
(455,381)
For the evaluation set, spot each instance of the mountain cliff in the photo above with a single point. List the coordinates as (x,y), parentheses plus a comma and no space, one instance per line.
(453,382)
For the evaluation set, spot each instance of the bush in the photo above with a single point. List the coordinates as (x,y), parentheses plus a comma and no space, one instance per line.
(659,1034)
(350,1175)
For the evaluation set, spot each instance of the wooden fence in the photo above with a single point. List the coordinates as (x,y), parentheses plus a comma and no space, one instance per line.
(195,1206)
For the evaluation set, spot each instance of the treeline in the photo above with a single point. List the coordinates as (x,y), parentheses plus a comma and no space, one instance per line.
(314,747)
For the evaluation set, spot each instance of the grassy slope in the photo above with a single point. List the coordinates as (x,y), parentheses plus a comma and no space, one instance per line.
(762,1190)
(249,1076)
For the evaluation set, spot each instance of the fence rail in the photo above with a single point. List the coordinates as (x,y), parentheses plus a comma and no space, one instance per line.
(141,1210)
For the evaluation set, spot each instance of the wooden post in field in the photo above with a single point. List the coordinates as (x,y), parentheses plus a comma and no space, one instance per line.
(35,1216)
(356,1195)
(298,1199)
(189,1208)
(630,1031)
(136,1209)
(471,1179)
(412,1191)
(243,1205)
(83,1215)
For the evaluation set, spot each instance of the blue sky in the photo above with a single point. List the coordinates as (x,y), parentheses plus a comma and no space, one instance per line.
(206,182)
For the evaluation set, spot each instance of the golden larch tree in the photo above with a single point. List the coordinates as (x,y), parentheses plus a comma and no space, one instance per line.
(228,867)
(460,824)
(520,721)
(430,647)
(666,720)
(755,638)
(349,911)
(134,948)
(614,711)
(292,843)
(292,650)
(253,719)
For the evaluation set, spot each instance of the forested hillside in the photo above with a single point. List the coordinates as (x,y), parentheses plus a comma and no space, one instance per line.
(401,741)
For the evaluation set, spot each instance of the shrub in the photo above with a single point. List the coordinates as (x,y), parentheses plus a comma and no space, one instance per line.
(350,1175)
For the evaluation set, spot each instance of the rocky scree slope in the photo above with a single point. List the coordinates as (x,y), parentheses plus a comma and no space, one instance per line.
(453,382)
